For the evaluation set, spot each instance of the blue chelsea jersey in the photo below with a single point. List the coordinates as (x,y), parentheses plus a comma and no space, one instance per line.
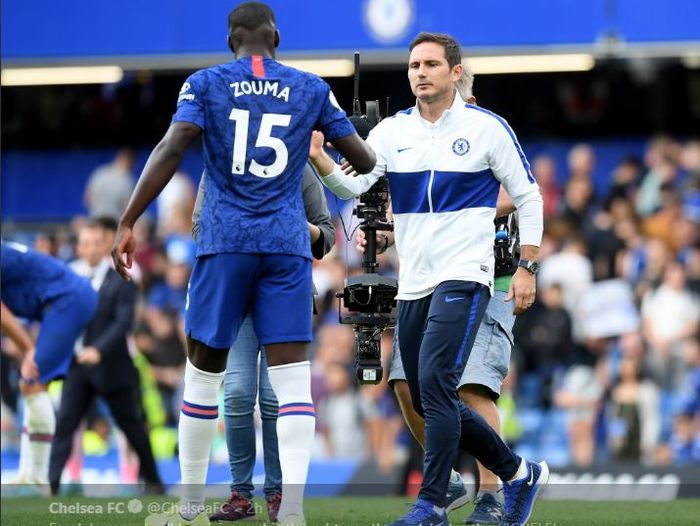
(257,116)
(32,280)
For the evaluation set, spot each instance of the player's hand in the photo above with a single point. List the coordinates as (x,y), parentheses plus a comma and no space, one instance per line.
(348,168)
(29,369)
(123,251)
(522,290)
(89,356)
(316,146)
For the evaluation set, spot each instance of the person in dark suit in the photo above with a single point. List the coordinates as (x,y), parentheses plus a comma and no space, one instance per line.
(102,366)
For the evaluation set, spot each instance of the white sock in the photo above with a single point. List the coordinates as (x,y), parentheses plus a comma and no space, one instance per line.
(295,431)
(198,420)
(40,425)
(24,453)
(522,471)
(455,477)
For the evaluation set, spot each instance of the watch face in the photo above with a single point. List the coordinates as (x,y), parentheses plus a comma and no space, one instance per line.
(530,266)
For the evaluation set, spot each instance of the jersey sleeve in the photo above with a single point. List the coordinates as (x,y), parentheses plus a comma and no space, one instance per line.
(190,102)
(508,161)
(332,121)
(346,186)
(509,165)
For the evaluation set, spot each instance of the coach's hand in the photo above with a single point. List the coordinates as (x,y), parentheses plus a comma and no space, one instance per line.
(522,290)
(123,251)
(318,157)
(316,145)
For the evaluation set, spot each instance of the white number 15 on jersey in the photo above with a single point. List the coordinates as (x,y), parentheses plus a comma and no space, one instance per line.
(240,143)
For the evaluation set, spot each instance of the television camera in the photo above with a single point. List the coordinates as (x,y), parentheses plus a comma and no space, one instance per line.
(370,298)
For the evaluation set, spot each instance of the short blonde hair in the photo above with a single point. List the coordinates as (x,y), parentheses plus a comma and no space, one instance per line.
(465,84)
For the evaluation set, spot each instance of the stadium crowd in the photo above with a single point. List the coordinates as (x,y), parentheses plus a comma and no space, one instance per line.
(606,363)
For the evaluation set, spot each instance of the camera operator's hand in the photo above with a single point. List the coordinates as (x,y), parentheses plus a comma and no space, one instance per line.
(314,232)
(383,242)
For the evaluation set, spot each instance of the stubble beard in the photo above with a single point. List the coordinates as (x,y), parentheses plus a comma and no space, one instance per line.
(435,97)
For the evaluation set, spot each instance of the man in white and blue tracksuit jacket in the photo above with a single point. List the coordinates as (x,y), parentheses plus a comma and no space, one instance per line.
(445,161)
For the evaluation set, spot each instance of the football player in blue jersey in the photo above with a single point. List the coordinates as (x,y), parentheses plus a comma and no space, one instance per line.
(253,250)
(37,287)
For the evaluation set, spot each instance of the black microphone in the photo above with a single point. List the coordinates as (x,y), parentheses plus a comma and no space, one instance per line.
(360,123)
(356,108)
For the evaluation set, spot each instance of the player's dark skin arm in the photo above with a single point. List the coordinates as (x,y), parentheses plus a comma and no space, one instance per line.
(355,150)
(159,169)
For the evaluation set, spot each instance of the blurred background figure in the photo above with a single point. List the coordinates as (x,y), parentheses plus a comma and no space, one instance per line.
(572,272)
(102,365)
(671,315)
(109,186)
(582,162)
(661,170)
(545,171)
(175,204)
(344,415)
(635,423)
(581,395)
(545,340)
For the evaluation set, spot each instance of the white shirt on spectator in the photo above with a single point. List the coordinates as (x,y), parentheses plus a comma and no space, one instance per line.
(179,192)
(670,311)
(109,190)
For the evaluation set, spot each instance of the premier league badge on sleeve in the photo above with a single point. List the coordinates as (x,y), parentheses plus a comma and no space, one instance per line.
(460,147)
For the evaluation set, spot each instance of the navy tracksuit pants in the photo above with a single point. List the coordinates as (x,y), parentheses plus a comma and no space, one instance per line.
(436,334)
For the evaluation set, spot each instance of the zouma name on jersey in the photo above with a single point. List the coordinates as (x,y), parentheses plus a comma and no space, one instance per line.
(257,116)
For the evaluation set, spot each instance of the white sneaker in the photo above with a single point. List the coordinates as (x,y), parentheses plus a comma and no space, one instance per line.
(25,486)
(291,519)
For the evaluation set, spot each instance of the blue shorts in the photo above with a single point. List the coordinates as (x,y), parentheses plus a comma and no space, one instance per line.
(274,288)
(489,359)
(63,322)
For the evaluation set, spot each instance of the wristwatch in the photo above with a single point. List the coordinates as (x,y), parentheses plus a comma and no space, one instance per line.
(381,250)
(531,266)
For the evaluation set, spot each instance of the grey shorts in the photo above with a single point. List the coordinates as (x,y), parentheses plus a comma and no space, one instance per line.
(489,359)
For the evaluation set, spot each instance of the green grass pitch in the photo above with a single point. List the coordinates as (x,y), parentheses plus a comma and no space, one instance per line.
(346,511)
